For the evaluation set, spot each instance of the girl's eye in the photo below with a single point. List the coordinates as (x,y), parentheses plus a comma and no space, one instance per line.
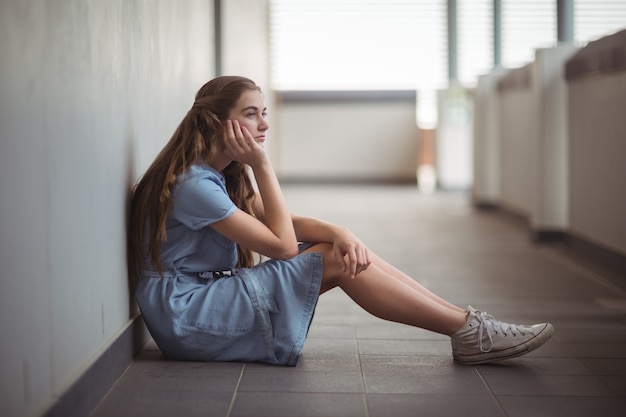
(254,114)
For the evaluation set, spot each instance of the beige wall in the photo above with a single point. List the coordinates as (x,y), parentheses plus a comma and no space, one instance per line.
(89,92)
(560,144)
(518,133)
(598,164)
(550,204)
(521,140)
(347,140)
(486,139)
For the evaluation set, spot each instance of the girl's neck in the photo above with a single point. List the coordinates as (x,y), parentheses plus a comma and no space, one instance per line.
(220,163)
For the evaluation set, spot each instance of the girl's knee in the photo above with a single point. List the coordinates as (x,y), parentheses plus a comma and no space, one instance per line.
(333,270)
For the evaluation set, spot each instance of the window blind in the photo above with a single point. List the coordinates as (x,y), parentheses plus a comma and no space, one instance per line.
(596,18)
(357,44)
(526,26)
(475,39)
(402,44)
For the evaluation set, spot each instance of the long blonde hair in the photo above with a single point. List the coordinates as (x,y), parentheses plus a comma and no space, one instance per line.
(197,138)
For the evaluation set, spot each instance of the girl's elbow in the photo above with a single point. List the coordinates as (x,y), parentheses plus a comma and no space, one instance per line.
(288,252)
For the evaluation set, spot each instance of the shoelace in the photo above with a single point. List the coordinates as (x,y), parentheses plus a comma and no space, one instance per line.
(492,326)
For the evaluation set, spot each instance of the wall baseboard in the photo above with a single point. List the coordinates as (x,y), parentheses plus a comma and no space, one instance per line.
(514,216)
(87,392)
(549,236)
(607,262)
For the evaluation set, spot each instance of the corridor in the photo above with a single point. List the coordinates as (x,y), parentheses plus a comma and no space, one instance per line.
(357,365)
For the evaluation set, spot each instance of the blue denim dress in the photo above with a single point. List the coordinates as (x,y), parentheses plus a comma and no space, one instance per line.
(205,309)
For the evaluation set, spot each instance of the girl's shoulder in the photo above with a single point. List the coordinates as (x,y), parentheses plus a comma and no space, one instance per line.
(200,197)
(201,171)
(202,178)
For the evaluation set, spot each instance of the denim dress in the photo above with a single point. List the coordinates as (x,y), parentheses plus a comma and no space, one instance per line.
(202,307)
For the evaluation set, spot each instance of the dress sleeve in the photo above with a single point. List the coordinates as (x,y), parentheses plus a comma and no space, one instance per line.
(200,201)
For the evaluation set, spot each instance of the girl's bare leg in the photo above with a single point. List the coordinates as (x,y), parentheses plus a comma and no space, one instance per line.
(397,274)
(390,297)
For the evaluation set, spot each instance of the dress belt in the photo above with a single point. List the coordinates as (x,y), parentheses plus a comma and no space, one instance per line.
(216,274)
(168,274)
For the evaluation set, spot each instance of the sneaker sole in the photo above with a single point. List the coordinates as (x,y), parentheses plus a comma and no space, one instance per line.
(513,352)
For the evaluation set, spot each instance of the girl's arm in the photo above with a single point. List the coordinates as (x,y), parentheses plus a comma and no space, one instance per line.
(275,236)
(351,254)
(349,251)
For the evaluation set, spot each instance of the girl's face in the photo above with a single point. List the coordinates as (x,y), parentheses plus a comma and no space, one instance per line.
(250,111)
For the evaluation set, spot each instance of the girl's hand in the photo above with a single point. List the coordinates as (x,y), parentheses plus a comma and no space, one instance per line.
(350,252)
(240,146)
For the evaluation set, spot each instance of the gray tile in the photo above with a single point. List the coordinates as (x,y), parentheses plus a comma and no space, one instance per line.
(537,366)
(412,365)
(380,329)
(149,359)
(289,404)
(293,381)
(617,384)
(593,335)
(175,376)
(163,403)
(405,347)
(331,330)
(324,346)
(563,406)
(415,383)
(551,349)
(314,362)
(404,405)
(597,350)
(548,385)
(606,366)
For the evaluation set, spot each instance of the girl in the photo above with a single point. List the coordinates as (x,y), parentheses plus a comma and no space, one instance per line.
(196,221)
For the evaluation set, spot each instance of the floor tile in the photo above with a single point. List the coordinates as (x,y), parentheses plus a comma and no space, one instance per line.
(598,350)
(412,365)
(617,384)
(403,405)
(563,406)
(354,364)
(536,366)
(163,403)
(286,404)
(405,347)
(606,366)
(175,376)
(590,335)
(380,329)
(331,331)
(314,362)
(329,346)
(329,381)
(548,385)
(416,383)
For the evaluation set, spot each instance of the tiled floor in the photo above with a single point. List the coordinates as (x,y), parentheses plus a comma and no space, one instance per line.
(356,365)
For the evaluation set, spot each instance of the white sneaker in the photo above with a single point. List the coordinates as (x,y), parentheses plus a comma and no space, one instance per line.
(484,339)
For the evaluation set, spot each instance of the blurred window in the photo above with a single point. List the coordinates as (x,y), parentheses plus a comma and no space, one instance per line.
(596,18)
(358,45)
